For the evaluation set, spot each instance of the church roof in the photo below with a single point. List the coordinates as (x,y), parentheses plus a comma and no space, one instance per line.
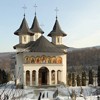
(61,46)
(35,26)
(24,29)
(56,31)
(43,45)
(24,46)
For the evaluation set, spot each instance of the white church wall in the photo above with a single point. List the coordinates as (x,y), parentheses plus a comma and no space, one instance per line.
(56,67)
(35,36)
(19,68)
(57,40)
(24,39)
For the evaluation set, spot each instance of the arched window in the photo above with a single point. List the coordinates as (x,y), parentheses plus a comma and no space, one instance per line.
(34,77)
(53,76)
(28,78)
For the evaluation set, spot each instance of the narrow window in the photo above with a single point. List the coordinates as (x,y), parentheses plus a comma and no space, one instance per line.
(58,40)
(24,39)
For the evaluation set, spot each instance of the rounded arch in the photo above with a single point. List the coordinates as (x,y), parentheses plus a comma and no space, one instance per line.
(38,60)
(53,76)
(53,59)
(59,76)
(59,60)
(43,76)
(26,59)
(27,77)
(33,77)
(32,59)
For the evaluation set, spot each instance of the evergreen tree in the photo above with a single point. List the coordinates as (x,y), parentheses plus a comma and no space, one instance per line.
(69,79)
(83,78)
(4,77)
(98,75)
(90,76)
(78,80)
(0,76)
(73,79)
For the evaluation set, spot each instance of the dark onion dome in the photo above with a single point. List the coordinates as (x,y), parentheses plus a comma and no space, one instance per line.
(57,30)
(24,29)
(35,26)
(43,45)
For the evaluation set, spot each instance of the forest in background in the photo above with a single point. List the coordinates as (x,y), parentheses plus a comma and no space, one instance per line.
(83,59)
(77,60)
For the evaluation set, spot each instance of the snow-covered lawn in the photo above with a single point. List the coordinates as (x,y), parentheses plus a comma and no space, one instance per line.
(64,93)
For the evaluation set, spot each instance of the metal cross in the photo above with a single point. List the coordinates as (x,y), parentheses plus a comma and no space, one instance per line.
(35,6)
(24,7)
(56,11)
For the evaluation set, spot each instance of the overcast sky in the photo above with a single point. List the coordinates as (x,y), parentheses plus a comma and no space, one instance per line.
(80,19)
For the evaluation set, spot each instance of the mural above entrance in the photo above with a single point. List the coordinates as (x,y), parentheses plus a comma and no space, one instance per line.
(42,60)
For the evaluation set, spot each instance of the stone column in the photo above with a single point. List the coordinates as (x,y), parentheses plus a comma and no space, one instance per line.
(30,78)
(55,77)
(37,77)
(50,77)
(24,78)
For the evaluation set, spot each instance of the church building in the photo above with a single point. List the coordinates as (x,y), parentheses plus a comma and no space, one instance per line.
(39,61)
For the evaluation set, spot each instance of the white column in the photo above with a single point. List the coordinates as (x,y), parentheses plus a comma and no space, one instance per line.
(30,78)
(50,77)
(55,77)
(37,77)
(24,78)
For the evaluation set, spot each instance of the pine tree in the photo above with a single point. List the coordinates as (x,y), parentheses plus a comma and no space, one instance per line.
(69,79)
(90,77)
(4,77)
(78,80)
(98,75)
(83,78)
(0,76)
(73,79)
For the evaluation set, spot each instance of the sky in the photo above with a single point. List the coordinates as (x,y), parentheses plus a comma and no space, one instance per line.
(79,19)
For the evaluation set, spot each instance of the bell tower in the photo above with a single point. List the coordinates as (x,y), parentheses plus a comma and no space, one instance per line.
(36,28)
(56,34)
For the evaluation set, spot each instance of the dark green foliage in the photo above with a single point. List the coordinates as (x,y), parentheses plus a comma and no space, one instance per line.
(69,79)
(78,80)
(3,77)
(90,76)
(84,78)
(73,79)
(98,75)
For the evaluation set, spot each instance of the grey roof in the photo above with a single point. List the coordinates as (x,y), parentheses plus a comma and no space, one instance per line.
(43,45)
(35,26)
(24,29)
(23,45)
(61,46)
(56,31)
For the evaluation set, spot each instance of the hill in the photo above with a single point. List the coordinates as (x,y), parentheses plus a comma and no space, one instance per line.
(83,58)
(78,59)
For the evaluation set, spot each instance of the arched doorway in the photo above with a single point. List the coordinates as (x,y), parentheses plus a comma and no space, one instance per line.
(27,77)
(43,76)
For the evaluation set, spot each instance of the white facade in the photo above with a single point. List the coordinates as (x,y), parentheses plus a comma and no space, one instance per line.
(57,40)
(35,36)
(23,67)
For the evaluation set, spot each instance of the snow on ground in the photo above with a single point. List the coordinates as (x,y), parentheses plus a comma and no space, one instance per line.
(82,93)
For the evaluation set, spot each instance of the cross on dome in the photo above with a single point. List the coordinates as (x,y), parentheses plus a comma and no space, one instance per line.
(35,6)
(56,11)
(24,7)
